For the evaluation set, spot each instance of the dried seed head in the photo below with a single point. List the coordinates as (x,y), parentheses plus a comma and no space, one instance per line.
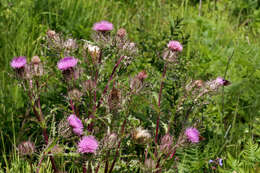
(94,52)
(36,68)
(26,148)
(110,141)
(141,136)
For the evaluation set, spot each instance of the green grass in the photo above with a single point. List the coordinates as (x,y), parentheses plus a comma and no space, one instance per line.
(232,121)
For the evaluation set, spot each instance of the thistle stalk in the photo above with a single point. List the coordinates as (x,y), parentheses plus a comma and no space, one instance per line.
(159,103)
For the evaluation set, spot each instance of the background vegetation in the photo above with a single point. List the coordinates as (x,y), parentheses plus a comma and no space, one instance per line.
(231,123)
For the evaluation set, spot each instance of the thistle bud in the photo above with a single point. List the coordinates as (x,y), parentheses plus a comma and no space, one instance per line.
(166,143)
(114,99)
(26,148)
(75,94)
(121,33)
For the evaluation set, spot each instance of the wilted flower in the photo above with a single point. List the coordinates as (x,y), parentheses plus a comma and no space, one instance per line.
(70,44)
(26,148)
(76,124)
(192,134)
(136,83)
(94,52)
(166,143)
(175,46)
(140,135)
(51,33)
(18,62)
(114,99)
(121,33)
(103,26)
(36,66)
(67,63)
(110,140)
(88,144)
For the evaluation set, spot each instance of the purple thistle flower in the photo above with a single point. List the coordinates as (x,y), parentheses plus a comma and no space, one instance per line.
(78,131)
(192,134)
(222,81)
(74,121)
(103,26)
(175,46)
(18,62)
(88,144)
(67,62)
(76,124)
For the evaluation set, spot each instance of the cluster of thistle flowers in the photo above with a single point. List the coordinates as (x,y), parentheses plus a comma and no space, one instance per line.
(89,144)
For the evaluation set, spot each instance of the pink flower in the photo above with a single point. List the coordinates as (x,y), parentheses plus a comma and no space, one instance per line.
(18,62)
(88,144)
(67,62)
(74,121)
(78,131)
(192,134)
(222,81)
(76,124)
(175,46)
(142,75)
(103,26)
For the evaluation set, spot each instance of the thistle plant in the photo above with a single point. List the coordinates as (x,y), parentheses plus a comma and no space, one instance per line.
(97,123)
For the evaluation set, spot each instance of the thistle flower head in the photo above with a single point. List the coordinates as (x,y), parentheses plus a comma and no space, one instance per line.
(221,81)
(87,144)
(103,26)
(18,62)
(67,62)
(192,134)
(76,124)
(74,121)
(175,46)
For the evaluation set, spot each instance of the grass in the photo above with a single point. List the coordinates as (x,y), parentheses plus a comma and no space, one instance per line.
(231,123)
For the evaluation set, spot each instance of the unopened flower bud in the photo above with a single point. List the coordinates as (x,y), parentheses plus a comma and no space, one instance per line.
(75,94)
(166,143)
(51,33)
(26,148)
(121,33)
